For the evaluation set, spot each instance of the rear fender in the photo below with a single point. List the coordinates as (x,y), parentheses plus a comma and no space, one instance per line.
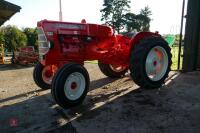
(140,36)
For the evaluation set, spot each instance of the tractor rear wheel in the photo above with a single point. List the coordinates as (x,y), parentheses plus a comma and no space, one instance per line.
(112,71)
(150,62)
(70,85)
(42,76)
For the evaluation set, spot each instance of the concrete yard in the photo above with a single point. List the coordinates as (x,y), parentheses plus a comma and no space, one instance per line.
(111,106)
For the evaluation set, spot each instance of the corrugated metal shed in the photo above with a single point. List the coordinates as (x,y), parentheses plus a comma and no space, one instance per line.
(198,57)
(7,10)
(192,37)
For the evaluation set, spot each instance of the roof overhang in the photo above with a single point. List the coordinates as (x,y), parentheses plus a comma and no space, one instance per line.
(7,10)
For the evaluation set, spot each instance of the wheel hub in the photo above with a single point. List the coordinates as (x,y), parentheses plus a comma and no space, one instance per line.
(156,63)
(117,68)
(47,74)
(74,86)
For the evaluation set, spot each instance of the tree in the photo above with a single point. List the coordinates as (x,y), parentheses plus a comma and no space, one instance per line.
(117,13)
(144,16)
(1,38)
(31,34)
(140,22)
(114,11)
(146,11)
(131,22)
(13,38)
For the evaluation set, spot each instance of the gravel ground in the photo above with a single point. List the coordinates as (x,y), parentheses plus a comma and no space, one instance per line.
(112,105)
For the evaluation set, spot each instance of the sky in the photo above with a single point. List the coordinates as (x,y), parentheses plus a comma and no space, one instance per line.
(166,14)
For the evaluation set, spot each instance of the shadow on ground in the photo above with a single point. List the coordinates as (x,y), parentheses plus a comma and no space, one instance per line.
(6,67)
(172,108)
(36,112)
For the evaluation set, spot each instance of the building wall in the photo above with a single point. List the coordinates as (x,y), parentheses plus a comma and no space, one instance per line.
(191,60)
(198,57)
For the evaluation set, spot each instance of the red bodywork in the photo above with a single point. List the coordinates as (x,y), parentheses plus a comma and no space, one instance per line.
(78,42)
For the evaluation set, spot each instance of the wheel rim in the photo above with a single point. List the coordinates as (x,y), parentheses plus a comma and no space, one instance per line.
(156,63)
(74,86)
(117,68)
(47,74)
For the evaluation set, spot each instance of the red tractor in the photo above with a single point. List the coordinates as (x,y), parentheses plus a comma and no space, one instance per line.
(64,46)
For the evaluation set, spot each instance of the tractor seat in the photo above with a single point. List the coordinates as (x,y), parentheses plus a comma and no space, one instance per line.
(130,34)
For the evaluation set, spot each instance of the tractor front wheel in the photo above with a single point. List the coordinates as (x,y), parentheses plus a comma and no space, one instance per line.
(112,70)
(150,62)
(70,85)
(42,76)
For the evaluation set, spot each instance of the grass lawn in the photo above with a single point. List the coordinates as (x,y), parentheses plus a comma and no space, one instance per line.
(174,51)
(92,62)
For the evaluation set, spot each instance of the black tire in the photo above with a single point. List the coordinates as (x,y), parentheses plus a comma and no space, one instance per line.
(59,80)
(107,70)
(138,59)
(37,76)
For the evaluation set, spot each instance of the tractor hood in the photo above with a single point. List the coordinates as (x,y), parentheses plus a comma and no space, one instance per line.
(7,10)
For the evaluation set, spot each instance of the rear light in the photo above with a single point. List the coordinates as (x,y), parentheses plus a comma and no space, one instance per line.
(43,43)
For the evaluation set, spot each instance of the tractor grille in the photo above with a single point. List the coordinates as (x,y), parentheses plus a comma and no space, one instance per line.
(43,43)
